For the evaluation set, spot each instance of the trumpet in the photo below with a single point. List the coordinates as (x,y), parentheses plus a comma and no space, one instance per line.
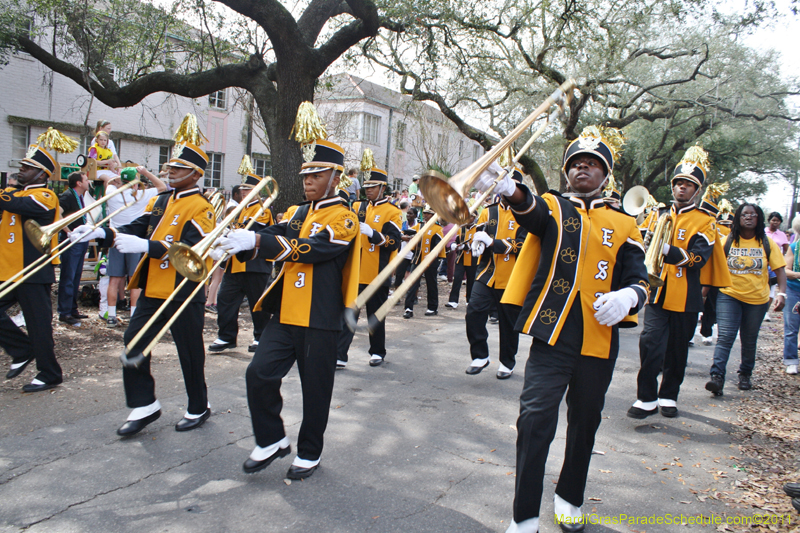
(419,270)
(33,268)
(42,236)
(446,197)
(192,261)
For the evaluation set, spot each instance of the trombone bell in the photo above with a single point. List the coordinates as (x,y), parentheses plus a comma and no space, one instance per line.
(447,197)
(39,237)
(188,262)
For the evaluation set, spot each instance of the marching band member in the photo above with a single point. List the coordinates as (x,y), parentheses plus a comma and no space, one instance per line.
(579,274)
(671,317)
(429,242)
(30,200)
(181,215)
(465,263)
(307,299)
(380,223)
(495,246)
(243,279)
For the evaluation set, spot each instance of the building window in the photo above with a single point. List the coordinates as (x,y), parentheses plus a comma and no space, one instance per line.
(86,143)
(372,124)
(398,185)
(262,165)
(164,153)
(214,170)
(217,99)
(20,139)
(345,126)
(401,136)
(476,152)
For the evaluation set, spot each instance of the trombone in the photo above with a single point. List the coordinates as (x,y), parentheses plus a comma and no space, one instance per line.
(33,268)
(190,262)
(419,270)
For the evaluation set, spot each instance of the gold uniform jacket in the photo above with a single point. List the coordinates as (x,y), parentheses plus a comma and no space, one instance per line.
(178,217)
(319,274)
(385,219)
(464,237)
(34,202)
(497,261)
(254,265)
(576,250)
(693,238)
(432,237)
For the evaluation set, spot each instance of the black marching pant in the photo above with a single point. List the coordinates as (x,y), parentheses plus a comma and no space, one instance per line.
(709,313)
(377,338)
(315,352)
(187,330)
(400,273)
(481,303)
(548,373)
(458,276)
(232,290)
(663,347)
(432,285)
(34,299)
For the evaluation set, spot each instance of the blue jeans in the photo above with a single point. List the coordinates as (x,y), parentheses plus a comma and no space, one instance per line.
(791,323)
(736,316)
(69,280)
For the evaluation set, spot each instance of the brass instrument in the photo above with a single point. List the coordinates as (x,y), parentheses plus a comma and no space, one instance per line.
(447,197)
(41,236)
(635,200)
(33,268)
(218,203)
(190,262)
(654,244)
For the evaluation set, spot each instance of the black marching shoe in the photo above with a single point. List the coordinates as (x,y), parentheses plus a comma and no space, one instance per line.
(571,528)
(669,411)
(408,313)
(132,427)
(79,315)
(221,346)
(253,347)
(69,320)
(501,374)
(715,385)
(474,370)
(188,424)
(744,382)
(792,489)
(431,312)
(16,371)
(796,504)
(636,412)
(298,472)
(375,360)
(36,387)
(251,467)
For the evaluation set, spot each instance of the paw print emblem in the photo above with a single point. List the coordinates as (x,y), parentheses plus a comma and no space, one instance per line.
(568,256)
(561,286)
(548,316)
(572,224)
(296,225)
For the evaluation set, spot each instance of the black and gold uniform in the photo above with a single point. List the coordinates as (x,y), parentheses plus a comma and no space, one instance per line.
(377,250)
(18,205)
(579,252)
(243,279)
(170,217)
(466,265)
(494,270)
(318,276)
(432,237)
(671,317)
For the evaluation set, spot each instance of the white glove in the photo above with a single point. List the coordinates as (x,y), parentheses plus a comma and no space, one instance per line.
(480,241)
(131,244)
(86,233)
(453,246)
(612,307)
(216,253)
(665,249)
(366,229)
(238,240)
(506,187)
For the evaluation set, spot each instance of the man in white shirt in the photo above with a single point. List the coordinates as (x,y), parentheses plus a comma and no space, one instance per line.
(121,266)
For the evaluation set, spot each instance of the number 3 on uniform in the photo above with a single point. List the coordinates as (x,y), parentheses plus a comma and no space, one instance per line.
(10,238)
(301,280)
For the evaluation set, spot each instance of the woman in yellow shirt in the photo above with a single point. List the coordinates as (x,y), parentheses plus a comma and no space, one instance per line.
(742,306)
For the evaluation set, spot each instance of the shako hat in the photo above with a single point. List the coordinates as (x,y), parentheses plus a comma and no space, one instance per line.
(602,142)
(38,155)
(693,166)
(187,152)
(711,196)
(319,154)
(249,177)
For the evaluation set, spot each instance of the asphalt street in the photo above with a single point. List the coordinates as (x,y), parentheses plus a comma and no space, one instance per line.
(414,445)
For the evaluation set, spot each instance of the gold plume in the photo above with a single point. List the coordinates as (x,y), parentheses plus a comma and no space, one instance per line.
(367,163)
(308,129)
(725,207)
(696,156)
(613,138)
(611,187)
(55,140)
(715,190)
(189,132)
(246,166)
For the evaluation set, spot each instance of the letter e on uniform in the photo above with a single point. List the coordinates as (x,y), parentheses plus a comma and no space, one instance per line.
(681,234)
(315,227)
(607,233)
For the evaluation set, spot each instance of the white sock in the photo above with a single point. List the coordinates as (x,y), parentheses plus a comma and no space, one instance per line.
(133,310)
(504,368)
(663,402)
(565,509)
(531,525)
(142,412)
(304,463)
(112,311)
(479,362)
(219,341)
(647,406)
(259,454)
(190,416)
(37,382)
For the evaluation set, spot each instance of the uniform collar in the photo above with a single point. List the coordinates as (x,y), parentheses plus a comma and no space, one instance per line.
(682,210)
(183,194)
(592,203)
(326,202)
(254,202)
(382,201)
(36,186)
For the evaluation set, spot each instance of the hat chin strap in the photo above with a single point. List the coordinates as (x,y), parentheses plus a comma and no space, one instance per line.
(585,194)
(330,182)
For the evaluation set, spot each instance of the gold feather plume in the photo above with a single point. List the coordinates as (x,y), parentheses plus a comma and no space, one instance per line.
(55,140)
(367,163)
(308,129)
(246,166)
(715,190)
(611,187)
(695,155)
(189,132)
(613,138)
